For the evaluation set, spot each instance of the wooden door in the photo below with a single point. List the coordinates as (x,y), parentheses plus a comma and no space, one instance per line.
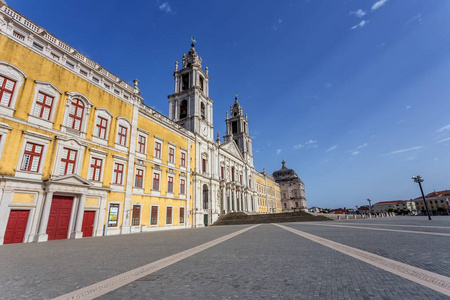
(59,219)
(88,223)
(17,224)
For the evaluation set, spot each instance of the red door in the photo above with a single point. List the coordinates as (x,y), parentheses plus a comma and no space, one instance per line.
(58,221)
(15,229)
(88,223)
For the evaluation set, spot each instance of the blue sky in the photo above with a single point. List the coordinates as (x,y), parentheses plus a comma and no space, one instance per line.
(353,94)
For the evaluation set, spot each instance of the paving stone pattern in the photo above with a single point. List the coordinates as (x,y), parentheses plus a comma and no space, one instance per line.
(266,262)
(271,263)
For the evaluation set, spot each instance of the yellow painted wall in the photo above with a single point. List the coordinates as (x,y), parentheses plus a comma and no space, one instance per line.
(24,197)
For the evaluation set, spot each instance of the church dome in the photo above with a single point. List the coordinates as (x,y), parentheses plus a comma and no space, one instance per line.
(284,174)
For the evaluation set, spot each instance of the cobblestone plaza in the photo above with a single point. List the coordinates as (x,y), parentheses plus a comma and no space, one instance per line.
(383,258)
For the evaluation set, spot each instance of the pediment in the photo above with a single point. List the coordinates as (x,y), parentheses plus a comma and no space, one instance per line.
(232,149)
(70,180)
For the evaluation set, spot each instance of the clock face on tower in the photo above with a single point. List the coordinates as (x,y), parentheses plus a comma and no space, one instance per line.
(204,130)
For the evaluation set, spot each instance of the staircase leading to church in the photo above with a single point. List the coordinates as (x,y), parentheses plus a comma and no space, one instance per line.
(238,218)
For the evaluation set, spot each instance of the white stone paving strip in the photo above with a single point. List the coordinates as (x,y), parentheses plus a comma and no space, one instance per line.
(409,226)
(383,229)
(428,279)
(113,283)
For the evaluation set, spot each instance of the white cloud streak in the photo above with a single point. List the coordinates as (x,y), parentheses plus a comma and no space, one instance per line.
(359,147)
(331,148)
(359,25)
(443,140)
(443,128)
(278,151)
(359,13)
(165,7)
(403,150)
(308,144)
(378,4)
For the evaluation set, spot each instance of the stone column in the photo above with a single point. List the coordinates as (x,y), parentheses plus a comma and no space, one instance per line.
(5,199)
(42,235)
(78,234)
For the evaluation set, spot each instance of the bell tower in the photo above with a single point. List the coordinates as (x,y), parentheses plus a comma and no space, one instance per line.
(190,105)
(237,130)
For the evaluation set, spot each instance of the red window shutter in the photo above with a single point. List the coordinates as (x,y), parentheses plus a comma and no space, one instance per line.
(6,90)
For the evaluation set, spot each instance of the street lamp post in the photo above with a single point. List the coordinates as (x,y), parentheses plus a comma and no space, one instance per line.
(418,179)
(370,205)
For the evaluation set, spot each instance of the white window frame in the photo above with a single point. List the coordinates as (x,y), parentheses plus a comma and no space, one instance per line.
(179,214)
(47,89)
(165,220)
(156,192)
(127,124)
(95,153)
(105,114)
(185,159)
(161,141)
(180,195)
(4,130)
(174,148)
(71,144)
(140,190)
(157,215)
(140,214)
(145,135)
(87,109)
(14,73)
(173,185)
(35,138)
(118,159)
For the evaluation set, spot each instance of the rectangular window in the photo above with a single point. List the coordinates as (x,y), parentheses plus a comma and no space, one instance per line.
(6,90)
(182,187)
(141,144)
(204,165)
(43,106)
(37,46)
(222,175)
(183,159)
(171,155)
(67,161)
(158,150)
(240,179)
(139,180)
(116,92)
(83,72)
(122,135)
(54,56)
(156,182)
(96,168)
(169,215)
(76,114)
(95,79)
(113,216)
(181,215)
(118,173)
(31,157)
(100,127)
(136,217)
(170,184)
(70,65)
(19,36)
(154,216)
(107,86)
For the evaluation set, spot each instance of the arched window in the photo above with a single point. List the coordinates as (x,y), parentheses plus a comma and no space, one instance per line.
(183,109)
(202,110)
(205,196)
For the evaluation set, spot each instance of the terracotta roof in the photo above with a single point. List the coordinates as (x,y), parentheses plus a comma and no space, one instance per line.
(393,201)
(435,194)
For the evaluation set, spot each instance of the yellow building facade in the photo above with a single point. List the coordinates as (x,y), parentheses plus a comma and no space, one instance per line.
(81,155)
(269,198)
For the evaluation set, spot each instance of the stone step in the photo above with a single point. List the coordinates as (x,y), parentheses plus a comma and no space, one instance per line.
(239,218)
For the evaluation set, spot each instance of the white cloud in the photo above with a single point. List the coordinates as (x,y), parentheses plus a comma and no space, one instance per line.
(443,140)
(359,147)
(359,13)
(308,144)
(355,152)
(408,107)
(165,7)
(443,128)
(361,24)
(378,4)
(416,18)
(331,148)
(403,150)
(278,151)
